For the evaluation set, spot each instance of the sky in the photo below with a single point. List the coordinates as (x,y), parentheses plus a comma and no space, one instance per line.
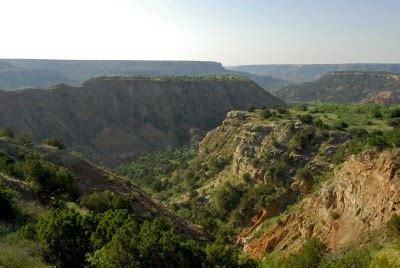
(232,32)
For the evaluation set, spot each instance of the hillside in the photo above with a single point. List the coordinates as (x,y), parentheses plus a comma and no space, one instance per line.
(56,208)
(270,180)
(110,120)
(12,77)
(77,71)
(342,87)
(298,73)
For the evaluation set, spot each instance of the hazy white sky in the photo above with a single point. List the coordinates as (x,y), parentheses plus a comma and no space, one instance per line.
(232,32)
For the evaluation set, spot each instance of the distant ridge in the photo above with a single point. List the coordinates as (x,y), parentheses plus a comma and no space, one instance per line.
(342,87)
(77,71)
(308,72)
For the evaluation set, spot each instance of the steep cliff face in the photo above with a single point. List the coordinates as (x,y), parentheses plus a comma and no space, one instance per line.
(383,97)
(341,87)
(361,198)
(115,119)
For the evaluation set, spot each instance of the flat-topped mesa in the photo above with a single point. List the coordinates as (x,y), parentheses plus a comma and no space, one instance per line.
(342,87)
(115,119)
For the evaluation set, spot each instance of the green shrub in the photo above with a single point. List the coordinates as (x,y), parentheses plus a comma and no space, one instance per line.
(304,174)
(265,114)
(306,119)
(48,180)
(358,132)
(226,198)
(340,125)
(8,200)
(352,258)
(377,114)
(157,244)
(251,109)
(55,142)
(7,165)
(7,133)
(108,225)
(106,200)
(309,256)
(395,113)
(394,122)
(393,225)
(64,237)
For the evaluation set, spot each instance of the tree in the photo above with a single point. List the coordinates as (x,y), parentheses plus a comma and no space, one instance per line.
(64,237)
(48,180)
(7,133)
(8,199)
(55,142)
(106,200)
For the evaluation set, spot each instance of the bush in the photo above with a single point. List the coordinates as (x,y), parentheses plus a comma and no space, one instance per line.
(8,200)
(352,258)
(157,244)
(393,225)
(340,125)
(265,114)
(64,237)
(301,139)
(7,133)
(106,200)
(7,165)
(108,225)
(48,180)
(251,109)
(395,113)
(304,175)
(227,197)
(309,256)
(377,114)
(306,119)
(55,142)
(394,122)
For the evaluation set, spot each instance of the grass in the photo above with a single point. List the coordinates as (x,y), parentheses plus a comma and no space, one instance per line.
(16,251)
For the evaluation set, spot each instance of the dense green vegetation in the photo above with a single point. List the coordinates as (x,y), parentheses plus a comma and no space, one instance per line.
(223,77)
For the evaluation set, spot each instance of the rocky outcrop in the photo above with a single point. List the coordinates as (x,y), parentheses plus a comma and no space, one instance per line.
(111,120)
(362,197)
(383,97)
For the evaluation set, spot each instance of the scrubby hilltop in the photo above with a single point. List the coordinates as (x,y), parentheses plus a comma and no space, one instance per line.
(342,87)
(110,120)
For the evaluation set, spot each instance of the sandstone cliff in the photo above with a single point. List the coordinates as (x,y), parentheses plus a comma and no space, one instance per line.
(361,198)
